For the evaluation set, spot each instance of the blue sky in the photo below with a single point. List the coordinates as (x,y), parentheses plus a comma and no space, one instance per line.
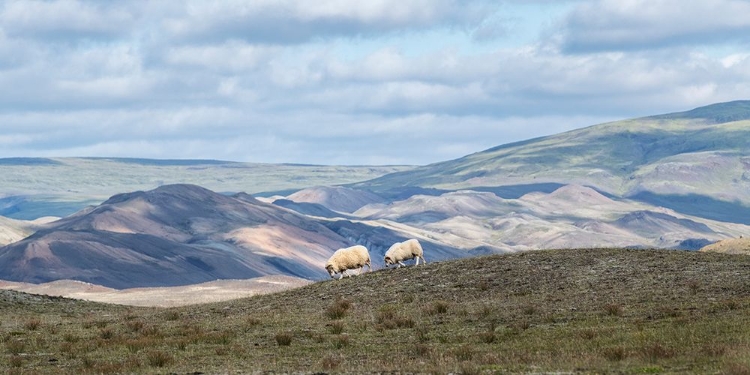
(345,82)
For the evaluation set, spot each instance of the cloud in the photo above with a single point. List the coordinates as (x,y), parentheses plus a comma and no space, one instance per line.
(65,19)
(316,137)
(294,22)
(336,81)
(621,25)
(230,57)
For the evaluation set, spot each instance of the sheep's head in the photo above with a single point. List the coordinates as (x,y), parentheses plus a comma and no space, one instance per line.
(330,270)
(388,261)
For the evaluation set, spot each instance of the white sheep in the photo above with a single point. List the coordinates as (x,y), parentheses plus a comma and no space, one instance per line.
(401,251)
(347,259)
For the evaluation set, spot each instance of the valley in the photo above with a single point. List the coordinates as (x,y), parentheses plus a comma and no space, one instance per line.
(676,181)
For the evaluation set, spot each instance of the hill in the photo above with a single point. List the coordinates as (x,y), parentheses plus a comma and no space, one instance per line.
(212,291)
(172,235)
(12,230)
(337,198)
(562,311)
(35,187)
(695,162)
(185,234)
(569,217)
(730,246)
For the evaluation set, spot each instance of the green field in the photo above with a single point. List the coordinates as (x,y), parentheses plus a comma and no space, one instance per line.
(587,311)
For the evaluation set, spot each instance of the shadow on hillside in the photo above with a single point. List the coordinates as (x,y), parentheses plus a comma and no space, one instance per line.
(699,205)
(30,208)
(517,191)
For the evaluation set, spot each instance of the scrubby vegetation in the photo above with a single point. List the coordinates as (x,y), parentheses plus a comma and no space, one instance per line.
(599,310)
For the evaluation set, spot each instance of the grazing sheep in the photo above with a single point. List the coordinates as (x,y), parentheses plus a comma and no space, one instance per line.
(346,259)
(401,251)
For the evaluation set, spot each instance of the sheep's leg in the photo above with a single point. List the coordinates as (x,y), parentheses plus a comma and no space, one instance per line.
(416,263)
(424,261)
(400,264)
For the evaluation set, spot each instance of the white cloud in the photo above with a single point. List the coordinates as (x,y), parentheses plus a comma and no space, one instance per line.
(288,21)
(232,56)
(337,81)
(62,19)
(609,25)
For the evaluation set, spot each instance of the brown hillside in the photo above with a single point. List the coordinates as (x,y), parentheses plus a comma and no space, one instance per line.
(562,311)
(729,246)
(169,236)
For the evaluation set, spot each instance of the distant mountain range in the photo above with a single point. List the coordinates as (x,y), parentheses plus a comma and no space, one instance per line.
(186,234)
(676,181)
(35,187)
(695,162)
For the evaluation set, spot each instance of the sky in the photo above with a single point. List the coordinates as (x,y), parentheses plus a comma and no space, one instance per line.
(351,82)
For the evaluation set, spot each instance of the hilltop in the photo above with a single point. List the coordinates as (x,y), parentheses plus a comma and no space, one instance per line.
(583,310)
(695,162)
(730,246)
(169,236)
(185,234)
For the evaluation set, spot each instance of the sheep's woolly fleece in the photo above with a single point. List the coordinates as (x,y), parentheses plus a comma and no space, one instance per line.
(401,251)
(354,257)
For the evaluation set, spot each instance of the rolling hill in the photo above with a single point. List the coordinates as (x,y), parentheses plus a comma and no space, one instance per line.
(695,162)
(172,235)
(589,311)
(569,217)
(185,234)
(34,187)
(677,181)
(14,230)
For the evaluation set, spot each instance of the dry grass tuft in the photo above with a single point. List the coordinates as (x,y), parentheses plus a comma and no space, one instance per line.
(437,307)
(340,341)
(422,350)
(284,339)
(389,318)
(331,362)
(158,358)
(463,353)
(338,309)
(616,353)
(336,328)
(107,333)
(15,361)
(172,315)
(656,351)
(735,368)
(613,309)
(15,346)
(32,324)
(134,325)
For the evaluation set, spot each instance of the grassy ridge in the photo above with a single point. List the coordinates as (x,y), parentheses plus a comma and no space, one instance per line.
(599,310)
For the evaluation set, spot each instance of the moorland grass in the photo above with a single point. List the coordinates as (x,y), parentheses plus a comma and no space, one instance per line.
(591,311)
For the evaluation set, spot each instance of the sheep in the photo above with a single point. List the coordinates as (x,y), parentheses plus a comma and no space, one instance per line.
(346,259)
(401,251)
